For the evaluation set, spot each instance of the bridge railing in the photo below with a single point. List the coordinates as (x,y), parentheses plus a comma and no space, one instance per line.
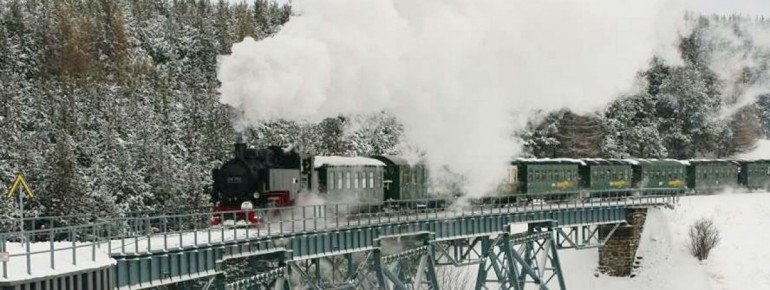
(75,244)
(144,234)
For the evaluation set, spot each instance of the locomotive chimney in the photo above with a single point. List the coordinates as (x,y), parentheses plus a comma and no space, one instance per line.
(240,146)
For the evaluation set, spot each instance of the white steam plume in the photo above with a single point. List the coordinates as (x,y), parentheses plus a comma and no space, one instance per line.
(739,47)
(461,75)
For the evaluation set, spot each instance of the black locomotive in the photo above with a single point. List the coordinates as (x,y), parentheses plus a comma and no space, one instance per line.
(275,177)
(260,178)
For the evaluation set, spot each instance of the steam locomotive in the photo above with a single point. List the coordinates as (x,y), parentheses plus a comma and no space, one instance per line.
(276,177)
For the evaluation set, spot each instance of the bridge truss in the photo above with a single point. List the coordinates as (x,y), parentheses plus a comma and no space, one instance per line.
(511,244)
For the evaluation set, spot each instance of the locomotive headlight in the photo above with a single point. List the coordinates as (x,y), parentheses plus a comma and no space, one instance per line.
(247,205)
(256,195)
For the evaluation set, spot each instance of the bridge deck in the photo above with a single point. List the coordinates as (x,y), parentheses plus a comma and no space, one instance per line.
(282,224)
(141,244)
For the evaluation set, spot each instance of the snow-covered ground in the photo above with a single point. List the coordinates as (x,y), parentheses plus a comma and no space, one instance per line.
(738,262)
(86,255)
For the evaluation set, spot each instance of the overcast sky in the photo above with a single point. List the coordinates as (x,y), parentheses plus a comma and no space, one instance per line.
(752,7)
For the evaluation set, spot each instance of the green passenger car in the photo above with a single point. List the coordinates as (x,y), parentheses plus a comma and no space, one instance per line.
(755,174)
(711,175)
(547,175)
(350,179)
(601,174)
(403,180)
(659,173)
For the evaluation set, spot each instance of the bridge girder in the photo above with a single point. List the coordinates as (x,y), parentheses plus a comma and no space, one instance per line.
(518,259)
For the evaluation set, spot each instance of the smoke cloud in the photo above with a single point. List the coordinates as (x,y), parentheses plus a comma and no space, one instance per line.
(460,75)
(741,49)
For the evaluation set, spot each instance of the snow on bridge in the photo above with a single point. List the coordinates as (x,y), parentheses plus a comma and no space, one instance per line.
(175,232)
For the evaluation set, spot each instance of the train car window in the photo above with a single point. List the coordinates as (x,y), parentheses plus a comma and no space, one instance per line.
(371,179)
(339,180)
(331,180)
(347,180)
(363,180)
(355,180)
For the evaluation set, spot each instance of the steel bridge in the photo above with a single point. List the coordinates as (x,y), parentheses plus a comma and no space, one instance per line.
(512,242)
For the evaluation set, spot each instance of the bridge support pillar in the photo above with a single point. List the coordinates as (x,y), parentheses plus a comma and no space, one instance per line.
(509,261)
(616,256)
(411,265)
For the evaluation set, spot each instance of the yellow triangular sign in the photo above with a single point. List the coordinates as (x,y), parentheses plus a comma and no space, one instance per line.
(20,180)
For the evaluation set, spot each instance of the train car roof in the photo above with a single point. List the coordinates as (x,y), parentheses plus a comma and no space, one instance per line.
(658,162)
(397,160)
(549,161)
(321,161)
(599,161)
(752,160)
(706,161)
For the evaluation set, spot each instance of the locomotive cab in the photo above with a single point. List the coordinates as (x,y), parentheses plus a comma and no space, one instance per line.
(260,178)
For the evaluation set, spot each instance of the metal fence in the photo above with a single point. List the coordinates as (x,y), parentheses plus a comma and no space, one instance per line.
(144,233)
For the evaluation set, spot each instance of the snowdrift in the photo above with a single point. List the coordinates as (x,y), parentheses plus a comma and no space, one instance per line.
(738,262)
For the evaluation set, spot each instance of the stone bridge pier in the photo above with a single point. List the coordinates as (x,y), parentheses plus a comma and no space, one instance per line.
(617,255)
